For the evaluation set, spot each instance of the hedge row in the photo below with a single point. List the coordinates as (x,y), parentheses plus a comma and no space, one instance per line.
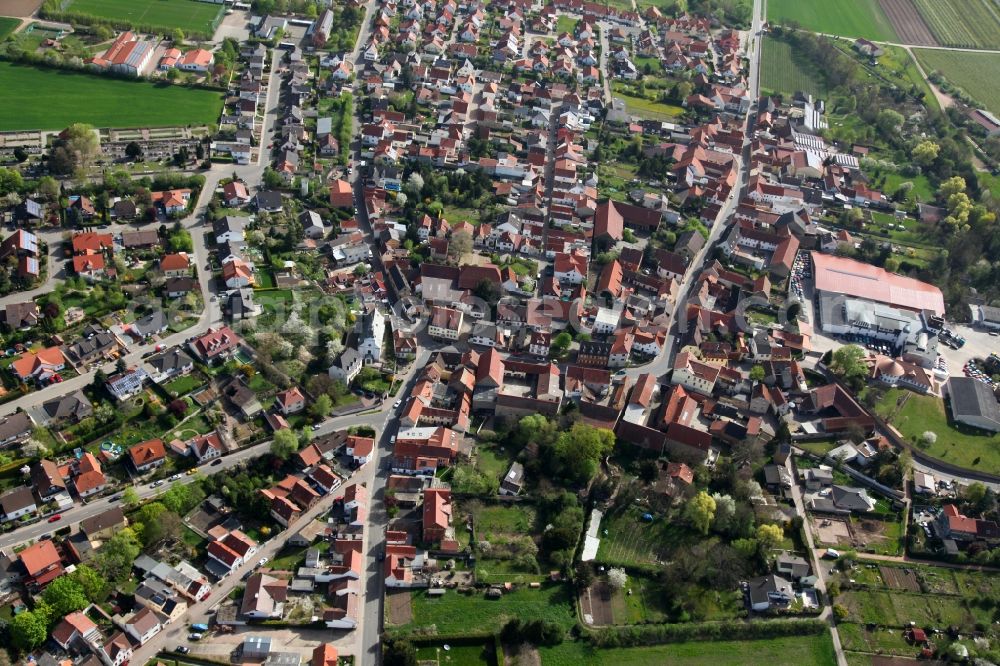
(653,634)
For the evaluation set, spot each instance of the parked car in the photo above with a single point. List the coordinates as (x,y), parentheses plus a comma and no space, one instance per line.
(182,649)
(55,518)
(175,477)
(194,637)
(156,484)
(217,461)
(262,561)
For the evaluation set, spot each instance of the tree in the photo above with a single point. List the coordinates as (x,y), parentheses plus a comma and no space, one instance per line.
(769,536)
(617,577)
(182,497)
(889,121)
(10,180)
(415,182)
(82,145)
(757,373)
(90,582)
(130,497)
(396,652)
(953,185)
(64,595)
(891,264)
(116,556)
(725,511)
(177,36)
(848,363)
(700,511)
(285,443)
(28,630)
(560,344)
(580,450)
(459,245)
(178,407)
(925,152)
(322,407)
(48,188)
(133,151)
(583,575)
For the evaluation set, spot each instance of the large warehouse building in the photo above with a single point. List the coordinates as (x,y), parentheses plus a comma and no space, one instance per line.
(855,298)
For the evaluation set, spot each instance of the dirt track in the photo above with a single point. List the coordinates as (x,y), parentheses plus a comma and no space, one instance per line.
(907,22)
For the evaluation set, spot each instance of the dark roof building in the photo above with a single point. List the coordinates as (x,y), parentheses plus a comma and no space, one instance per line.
(973,403)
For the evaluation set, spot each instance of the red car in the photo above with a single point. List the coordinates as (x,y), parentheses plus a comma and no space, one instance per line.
(55,518)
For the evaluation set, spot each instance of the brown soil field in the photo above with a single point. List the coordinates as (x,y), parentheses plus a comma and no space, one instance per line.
(22,8)
(907,22)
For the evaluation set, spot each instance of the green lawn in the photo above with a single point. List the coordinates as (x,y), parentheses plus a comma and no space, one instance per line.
(645,108)
(455,612)
(492,521)
(956,443)
(458,655)
(458,214)
(7,26)
(792,651)
(190,15)
(183,385)
(819,447)
(493,462)
(49,99)
(785,71)
(850,18)
(565,24)
(967,71)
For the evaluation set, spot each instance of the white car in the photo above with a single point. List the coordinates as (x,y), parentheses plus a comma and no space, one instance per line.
(175,477)
(263,561)
(396,404)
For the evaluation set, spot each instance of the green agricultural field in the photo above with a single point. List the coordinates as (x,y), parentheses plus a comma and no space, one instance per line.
(968,71)
(956,443)
(962,23)
(47,99)
(456,612)
(7,26)
(850,18)
(783,72)
(792,651)
(191,15)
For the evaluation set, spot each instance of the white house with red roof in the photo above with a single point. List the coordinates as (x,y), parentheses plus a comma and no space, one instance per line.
(360,448)
(216,344)
(206,447)
(291,401)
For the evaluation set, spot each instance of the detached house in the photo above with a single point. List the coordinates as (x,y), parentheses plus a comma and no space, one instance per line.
(206,447)
(147,455)
(290,402)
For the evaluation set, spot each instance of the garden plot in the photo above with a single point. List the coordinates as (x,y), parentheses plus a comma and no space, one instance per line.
(900,579)
(898,609)
(504,543)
